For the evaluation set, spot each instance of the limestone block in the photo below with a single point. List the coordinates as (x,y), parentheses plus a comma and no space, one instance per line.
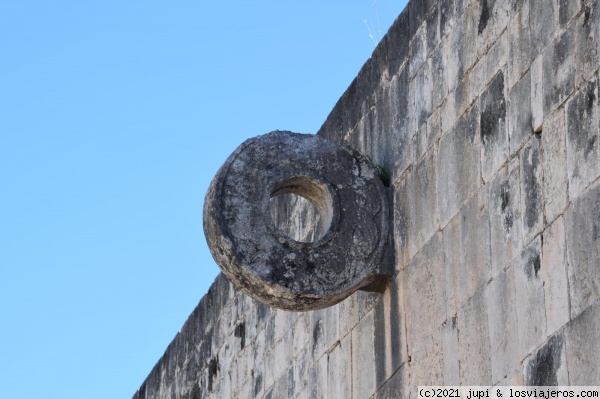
(567,9)
(531,190)
(543,24)
(559,70)
(421,89)
(583,138)
(455,53)
(363,358)
(449,116)
(459,166)
(450,351)
(426,365)
(437,67)
(504,339)
(298,373)
(423,292)
(301,333)
(463,94)
(419,143)
(493,20)
(422,192)
(474,342)
(399,102)
(554,273)
(417,50)
(447,14)
(548,366)
(324,330)
(537,94)
(434,127)
(583,250)
(388,334)
(339,370)
(467,255)
(554,165)
(519,37)
(587,39)
(583,347)
(529,292)
(519,110)
(396,387)
(493,129)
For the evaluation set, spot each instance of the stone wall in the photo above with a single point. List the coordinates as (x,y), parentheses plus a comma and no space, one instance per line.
(485,114)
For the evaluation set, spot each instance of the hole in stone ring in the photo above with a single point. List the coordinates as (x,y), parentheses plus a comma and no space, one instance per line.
(301,208)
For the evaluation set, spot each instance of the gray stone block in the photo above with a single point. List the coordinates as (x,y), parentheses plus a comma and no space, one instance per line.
(493,19)
(583,347)
(474,342)
(339,370)
(543,24)
(583,250)
(394,388)
(529,292)
(519,121)
(537,94)
(559,70)
(548,366)
(467,255)
(583,138)
(437,66)
(459,167)
(363,358)
(417,50)
(567,9)
(450,350)
(588,45)
(503,197)
(554,273)
(519,37)
(426,365)
(554,165)
(504,339)
(423,292)
(493,127)
(531,190)
(422,192)
(421,90)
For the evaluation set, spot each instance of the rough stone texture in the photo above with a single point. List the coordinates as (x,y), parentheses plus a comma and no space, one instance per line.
(497,238)
(273,267)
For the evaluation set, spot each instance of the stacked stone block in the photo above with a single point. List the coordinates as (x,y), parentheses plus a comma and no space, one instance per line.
(486,115)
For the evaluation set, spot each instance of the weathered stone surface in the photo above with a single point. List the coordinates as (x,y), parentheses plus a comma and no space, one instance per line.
(531,190)
(543,22)
(423,293)
(459,167)
(588,45)
(502,319)
(537,94)
(339,369)
(554,273)
(494,136)
(519,123)
(559,70)
(519,36)
(583,347)
(363,358)
(554,165)
(529,292)
(583,138)
(474,342)
(547,367)
(466,254)
(503,198)
(270,266)
(583,250)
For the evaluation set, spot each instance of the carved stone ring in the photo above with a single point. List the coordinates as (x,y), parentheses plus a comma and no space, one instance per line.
(266,263)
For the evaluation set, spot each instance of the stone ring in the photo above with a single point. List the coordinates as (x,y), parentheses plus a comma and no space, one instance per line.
(261,258)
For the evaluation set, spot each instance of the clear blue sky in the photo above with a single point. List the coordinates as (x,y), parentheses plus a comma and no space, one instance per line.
(114,117)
